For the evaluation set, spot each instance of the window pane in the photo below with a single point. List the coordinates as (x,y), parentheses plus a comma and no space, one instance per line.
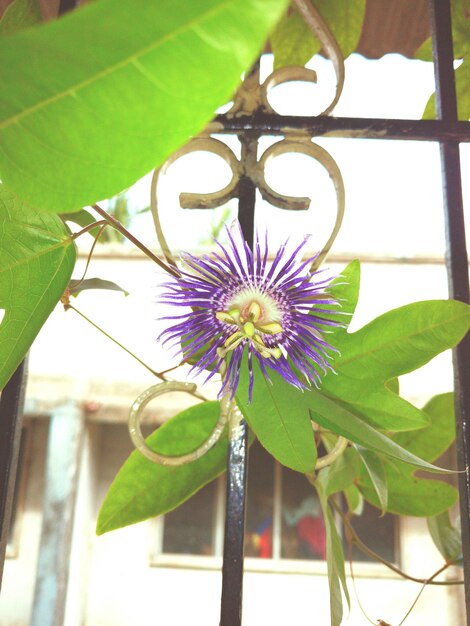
(260,492)
(378,533)
(189,529)
(303,530)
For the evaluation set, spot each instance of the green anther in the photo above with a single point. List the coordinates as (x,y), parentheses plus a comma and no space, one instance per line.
(235,314)
(276,352)
(272,328)
(233,340)
(249,329)
(225,317)
(254,312)
(256,339)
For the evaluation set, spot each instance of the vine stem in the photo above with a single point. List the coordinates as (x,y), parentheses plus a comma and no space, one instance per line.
(90,254)
(429,581)
(362,546)
(147,367)
(119,227)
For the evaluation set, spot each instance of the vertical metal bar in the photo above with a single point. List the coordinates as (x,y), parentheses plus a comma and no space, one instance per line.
(232,567)
(11,421)
(62,468)
(457,260)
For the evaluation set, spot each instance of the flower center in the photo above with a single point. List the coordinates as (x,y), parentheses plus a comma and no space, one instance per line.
(251,321)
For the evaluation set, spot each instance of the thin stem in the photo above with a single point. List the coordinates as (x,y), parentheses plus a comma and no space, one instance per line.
(427,582)
(87,229)
(354,582)
(159,375)
(362,546)
(70,306)
(103,226)
(119,227)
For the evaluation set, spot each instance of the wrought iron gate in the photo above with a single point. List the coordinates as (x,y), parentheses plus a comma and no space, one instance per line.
(249,126)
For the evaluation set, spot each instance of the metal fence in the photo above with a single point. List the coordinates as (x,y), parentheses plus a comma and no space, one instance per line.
(249,127)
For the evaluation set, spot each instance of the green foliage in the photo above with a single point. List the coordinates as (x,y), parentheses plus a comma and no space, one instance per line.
(36,261)
(446,536)
(409,495)
(95,100)
(20,14)
(330,415)
(143,489)
(76,287)
(393,344)
(278,415)
(293,43)
(375,469)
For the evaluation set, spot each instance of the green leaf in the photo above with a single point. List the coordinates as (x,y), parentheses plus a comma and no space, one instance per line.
(446,537)
(409,495)
(391,345)
(354,500)
(345,288)
(334,560)
(378,476)
(36,260)
(143,489)
(76,287)
(378,407)
(431,442)
(278,415)
(462,85)
(95,100)
(20,14)
(328,413)
(403,339)
(293,43)
(393,385)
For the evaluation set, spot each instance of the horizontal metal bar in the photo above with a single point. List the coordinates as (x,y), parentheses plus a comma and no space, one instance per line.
(364,128)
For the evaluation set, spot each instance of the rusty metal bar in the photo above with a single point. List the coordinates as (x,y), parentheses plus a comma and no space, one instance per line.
(351,127)
(11,421)
(457,260)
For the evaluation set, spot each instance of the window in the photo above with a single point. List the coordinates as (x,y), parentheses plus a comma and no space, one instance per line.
(284,524)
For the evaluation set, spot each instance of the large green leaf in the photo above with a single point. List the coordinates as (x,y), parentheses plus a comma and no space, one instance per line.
(278,415)
(36,261)
(293,43)
(403,340)
(143,489)
(329,414)
(434,440)
(20,14)
(393,344)
(408,494)
(94,100)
